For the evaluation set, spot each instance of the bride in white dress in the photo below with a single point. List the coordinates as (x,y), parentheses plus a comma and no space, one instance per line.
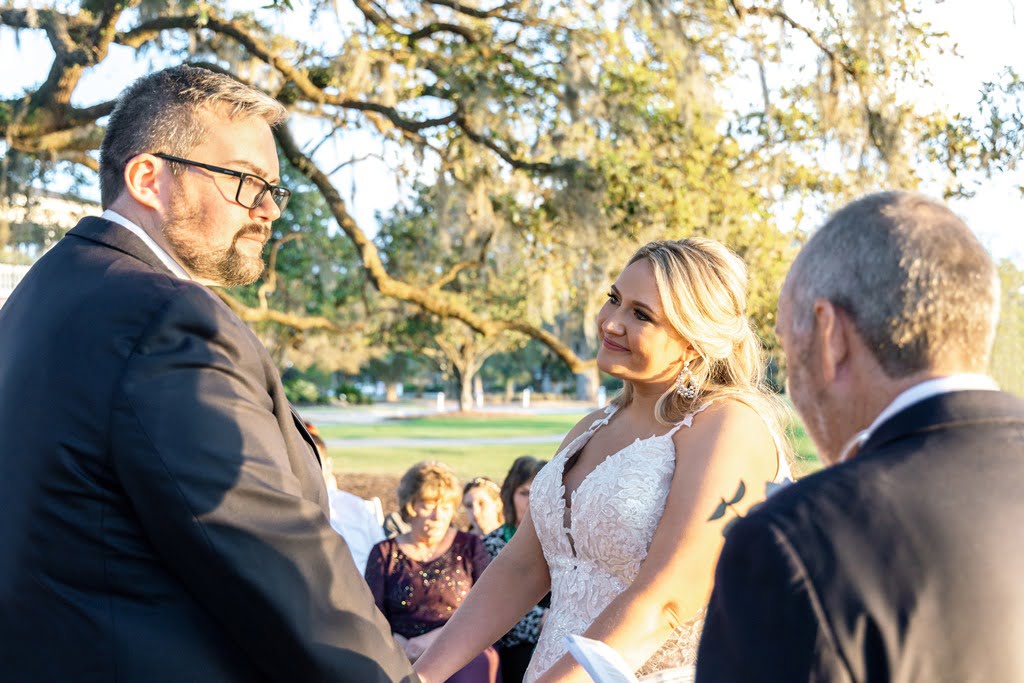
(627,520)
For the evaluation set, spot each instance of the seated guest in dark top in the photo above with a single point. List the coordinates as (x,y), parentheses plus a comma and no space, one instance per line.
(419,578)
(516,647)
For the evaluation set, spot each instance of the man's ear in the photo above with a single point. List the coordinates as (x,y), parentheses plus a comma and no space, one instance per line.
(143,178)
(831,330)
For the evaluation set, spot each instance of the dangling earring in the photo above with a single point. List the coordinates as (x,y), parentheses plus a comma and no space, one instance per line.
(685,386)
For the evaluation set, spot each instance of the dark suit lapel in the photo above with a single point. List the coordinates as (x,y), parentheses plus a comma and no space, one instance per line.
(117,237)
(301,426)
(120,238)
(947,410)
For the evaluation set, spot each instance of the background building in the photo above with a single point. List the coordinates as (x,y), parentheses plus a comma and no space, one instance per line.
(29,225)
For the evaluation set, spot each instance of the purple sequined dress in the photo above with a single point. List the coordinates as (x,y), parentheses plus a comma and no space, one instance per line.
(418,597)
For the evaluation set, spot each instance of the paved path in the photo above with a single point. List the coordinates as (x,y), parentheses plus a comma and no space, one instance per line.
(420,443)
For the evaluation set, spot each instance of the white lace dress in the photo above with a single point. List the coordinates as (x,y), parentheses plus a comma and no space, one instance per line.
(613,515)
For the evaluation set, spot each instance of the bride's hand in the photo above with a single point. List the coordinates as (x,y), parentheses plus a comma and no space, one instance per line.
(415,647)
(424,678)
(403,643)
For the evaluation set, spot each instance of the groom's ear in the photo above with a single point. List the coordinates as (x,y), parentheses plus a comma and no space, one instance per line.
(141,180)
(832,336)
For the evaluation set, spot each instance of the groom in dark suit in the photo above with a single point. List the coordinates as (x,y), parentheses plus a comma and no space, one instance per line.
(164,514)
(902,560)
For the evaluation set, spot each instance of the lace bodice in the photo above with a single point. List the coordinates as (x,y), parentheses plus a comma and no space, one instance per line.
(611,520)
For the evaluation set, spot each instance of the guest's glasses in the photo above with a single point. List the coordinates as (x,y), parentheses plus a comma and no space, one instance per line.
(251,188)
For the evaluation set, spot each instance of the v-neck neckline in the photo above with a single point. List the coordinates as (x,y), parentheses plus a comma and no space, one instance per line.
(567,500)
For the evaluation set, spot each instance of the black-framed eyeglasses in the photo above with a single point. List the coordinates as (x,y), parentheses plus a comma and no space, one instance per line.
(251,188)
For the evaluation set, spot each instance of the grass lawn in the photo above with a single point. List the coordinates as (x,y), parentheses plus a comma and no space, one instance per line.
(472,426)
(476,460)
(806,457)
(467,461)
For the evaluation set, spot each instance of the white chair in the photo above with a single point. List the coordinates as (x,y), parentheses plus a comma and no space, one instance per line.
(359,522)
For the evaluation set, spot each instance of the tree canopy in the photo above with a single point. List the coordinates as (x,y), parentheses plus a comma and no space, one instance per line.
(534,145)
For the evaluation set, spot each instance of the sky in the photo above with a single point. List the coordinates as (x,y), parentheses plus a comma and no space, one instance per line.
(988,35)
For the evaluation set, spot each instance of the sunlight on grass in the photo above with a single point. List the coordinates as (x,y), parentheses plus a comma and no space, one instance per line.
(449,427)
(490,460)
(806,461)
(468,461)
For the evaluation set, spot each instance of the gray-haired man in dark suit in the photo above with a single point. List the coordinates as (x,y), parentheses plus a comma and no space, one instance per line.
(902,560)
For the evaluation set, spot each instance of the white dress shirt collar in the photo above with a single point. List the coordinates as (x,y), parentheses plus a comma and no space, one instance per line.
(915,394)
(164,257)
(934,387)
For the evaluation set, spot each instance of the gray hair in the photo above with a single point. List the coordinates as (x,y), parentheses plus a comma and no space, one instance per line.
(158,113)
(920,289)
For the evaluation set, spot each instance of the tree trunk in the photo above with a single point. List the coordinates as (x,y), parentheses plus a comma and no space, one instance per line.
(465,391)
(478,391)
(587,384)
(391,392)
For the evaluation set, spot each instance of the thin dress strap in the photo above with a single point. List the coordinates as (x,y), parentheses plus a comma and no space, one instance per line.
(602,421)
(688,420)
(782,473)
(573,446)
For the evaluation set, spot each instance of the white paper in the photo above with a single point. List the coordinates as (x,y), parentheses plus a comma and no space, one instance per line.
(601,661)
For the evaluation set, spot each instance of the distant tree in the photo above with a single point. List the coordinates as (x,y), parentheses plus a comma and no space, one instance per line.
(310,308)
(395,369)
(418,242)
(465,352)
(582,129)
(1008,353)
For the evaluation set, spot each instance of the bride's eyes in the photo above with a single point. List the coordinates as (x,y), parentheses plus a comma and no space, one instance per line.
(640,315)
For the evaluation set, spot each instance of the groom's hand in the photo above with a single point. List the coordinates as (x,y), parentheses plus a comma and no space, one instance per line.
(403,643)
(418,645)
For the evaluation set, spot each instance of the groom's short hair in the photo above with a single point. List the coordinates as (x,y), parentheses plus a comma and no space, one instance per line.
(159,113)
(921,290)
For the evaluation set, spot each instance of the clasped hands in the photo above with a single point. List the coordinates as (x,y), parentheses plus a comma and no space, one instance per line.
(416,646)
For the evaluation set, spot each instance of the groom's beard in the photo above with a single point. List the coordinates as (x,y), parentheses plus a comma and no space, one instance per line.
(226,267)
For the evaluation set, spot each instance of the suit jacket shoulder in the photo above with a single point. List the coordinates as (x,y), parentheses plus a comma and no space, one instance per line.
(900,548)
(157,489)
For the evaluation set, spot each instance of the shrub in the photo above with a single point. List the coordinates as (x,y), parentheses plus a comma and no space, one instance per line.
(352,395)
(299,390)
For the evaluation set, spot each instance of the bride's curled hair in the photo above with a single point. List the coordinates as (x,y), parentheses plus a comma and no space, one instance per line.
(703,291)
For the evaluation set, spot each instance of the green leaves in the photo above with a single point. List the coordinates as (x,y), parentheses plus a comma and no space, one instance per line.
(550,138)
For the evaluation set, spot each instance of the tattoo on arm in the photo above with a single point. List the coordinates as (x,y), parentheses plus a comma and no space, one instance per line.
(725,505)
(741,491)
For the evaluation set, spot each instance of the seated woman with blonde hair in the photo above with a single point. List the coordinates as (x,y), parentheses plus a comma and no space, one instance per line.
(419,578)
(482,499)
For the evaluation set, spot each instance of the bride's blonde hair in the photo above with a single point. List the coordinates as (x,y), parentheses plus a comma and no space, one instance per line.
(703,291)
